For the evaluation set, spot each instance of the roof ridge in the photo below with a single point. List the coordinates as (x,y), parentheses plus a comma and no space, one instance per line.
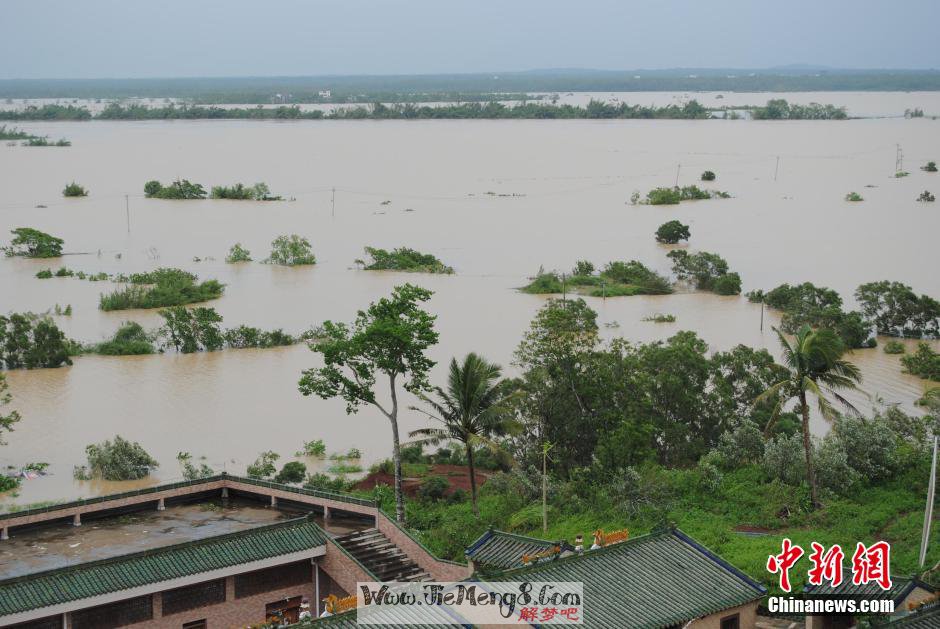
(593,553)
(291,523)
(724,563)
(528,538)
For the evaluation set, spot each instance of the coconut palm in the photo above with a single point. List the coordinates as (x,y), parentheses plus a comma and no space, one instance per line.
(814,359)
(472,410)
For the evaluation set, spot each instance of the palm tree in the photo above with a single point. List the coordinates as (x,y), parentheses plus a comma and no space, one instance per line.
(472,410)
(816,368)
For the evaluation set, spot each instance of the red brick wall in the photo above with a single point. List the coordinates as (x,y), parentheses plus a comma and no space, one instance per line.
(440,570)
(344,571)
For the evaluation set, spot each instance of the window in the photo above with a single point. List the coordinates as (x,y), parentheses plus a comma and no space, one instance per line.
(261,581)
(731,622)
(114,615)
(196,624)
(193,596)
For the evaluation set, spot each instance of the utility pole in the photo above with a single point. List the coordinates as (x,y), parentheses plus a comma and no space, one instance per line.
(899,159)
(546,446)
(678,168)
(776,168)
(127,211)
(928,513)
(564,287)
(761,314)
(333,203)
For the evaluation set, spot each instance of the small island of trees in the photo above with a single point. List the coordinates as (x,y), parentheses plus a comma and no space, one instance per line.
(707,271)
(929,167)
(403,259)
(32,243)
(618,279)
(291,250)
(179,189)
(708,176)
(241,192)
(160,288)
(672,232)
(675,195)
(74,190)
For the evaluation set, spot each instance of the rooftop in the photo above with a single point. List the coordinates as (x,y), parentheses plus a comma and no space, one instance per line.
(652,581)
(499,549)
(95,578)
(900,588)
(926,617)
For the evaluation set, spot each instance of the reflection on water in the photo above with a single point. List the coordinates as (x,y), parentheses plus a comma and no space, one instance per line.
(572,180)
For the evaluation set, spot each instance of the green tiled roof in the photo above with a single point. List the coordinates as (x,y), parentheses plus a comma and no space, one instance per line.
(900,588)
(927,617)
(498,549)
(95,578)
(648,582)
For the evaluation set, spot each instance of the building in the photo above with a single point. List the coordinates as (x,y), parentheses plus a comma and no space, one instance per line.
(499,550)
(906,592)
(290,544)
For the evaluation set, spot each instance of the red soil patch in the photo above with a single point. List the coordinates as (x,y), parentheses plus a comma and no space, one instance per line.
(457,475)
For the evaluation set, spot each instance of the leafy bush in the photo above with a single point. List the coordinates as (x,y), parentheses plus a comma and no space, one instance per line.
(161,288)
(344,468)
(853,196)
(177,190)
(292,472)
(784,459)
(930,167)
(116,460)
(191,471)
(661,318)
(30,341)
(926,197)
(238,254)
(663,196)
(433,488)
(263,467)
(192,330)
(74,190)
(672,232)
(743,445)
(708,271)
(727,284)
(32,243)
(896,310)
(708,176)
(324,482)
(313,448)
(924,363)
(833,470)
(635,273)
(894,347)
(405,259)
(130,339)
(871,446)
(44,274)
(544,284)
(245,336)
(583,268)
(257,192)
(291,250)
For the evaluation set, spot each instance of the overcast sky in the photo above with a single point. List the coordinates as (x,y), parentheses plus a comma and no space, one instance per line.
(132,38)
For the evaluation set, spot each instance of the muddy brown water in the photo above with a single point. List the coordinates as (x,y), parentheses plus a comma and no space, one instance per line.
(560,192)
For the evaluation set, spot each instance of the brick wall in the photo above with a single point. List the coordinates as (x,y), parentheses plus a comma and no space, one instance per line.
(342,570)
(747,615)
(440,570)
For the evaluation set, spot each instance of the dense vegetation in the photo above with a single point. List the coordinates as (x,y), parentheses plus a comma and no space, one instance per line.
(926,197)
(780,109)
(129,340)
(819,307)
(74,190)
(929,167)
(12,133)
(116,460)
(246,336)
(32,243)
(291,250)
(29,341)
(896,310)
(672,232)
(238,254)
(617,279)
(403,259)
(707,271)
(675,195)
(179,189)
(241,192)
(160,288)
(189,330)
(854,197)
(924,363)
(708,176)
(43,141)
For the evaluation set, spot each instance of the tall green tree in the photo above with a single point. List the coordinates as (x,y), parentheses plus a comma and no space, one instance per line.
(472,410)
(388,339)
(816,368)
(6,420)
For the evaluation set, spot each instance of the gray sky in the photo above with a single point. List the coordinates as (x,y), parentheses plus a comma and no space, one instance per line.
(132,38)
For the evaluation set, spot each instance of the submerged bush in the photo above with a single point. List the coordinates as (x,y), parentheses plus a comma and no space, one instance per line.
(894,347)
(257,192)
(238,254)
(404,259)
(292,472)
(32,243)
(924,363)
(672,232)
(708,271)
(708,176)
(930,167)
(854,197)
(191,330)
(291,250)
(245,336)
(129,340)
(179,189)
(116,460)
(674,195)
(926,197)
(161,288)
(263,467)
(29,341)
(74,190)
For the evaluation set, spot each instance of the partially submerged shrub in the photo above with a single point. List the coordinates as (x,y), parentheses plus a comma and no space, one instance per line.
(160,288)
(257,192)
(894,347)
(291,250)
(238,254)
(708,271)
(405,259)
(130,339)
(263,467)
(926,197)
(708,176)
(930,167)
(179,189)
(854,197)
(292,472)
(32,243)
(924,363)
(74,190)
(672,232)
(116,460)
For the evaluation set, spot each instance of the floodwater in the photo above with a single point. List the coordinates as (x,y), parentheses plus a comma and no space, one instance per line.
(59,544)
(568,185)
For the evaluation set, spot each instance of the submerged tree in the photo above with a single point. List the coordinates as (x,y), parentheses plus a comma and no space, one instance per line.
(6,420)
(672,232)
(32,243)
(473,410)
(292,250)
(388,339)
(816,368)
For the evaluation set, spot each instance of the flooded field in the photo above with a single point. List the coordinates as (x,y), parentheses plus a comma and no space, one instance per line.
(567,186)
